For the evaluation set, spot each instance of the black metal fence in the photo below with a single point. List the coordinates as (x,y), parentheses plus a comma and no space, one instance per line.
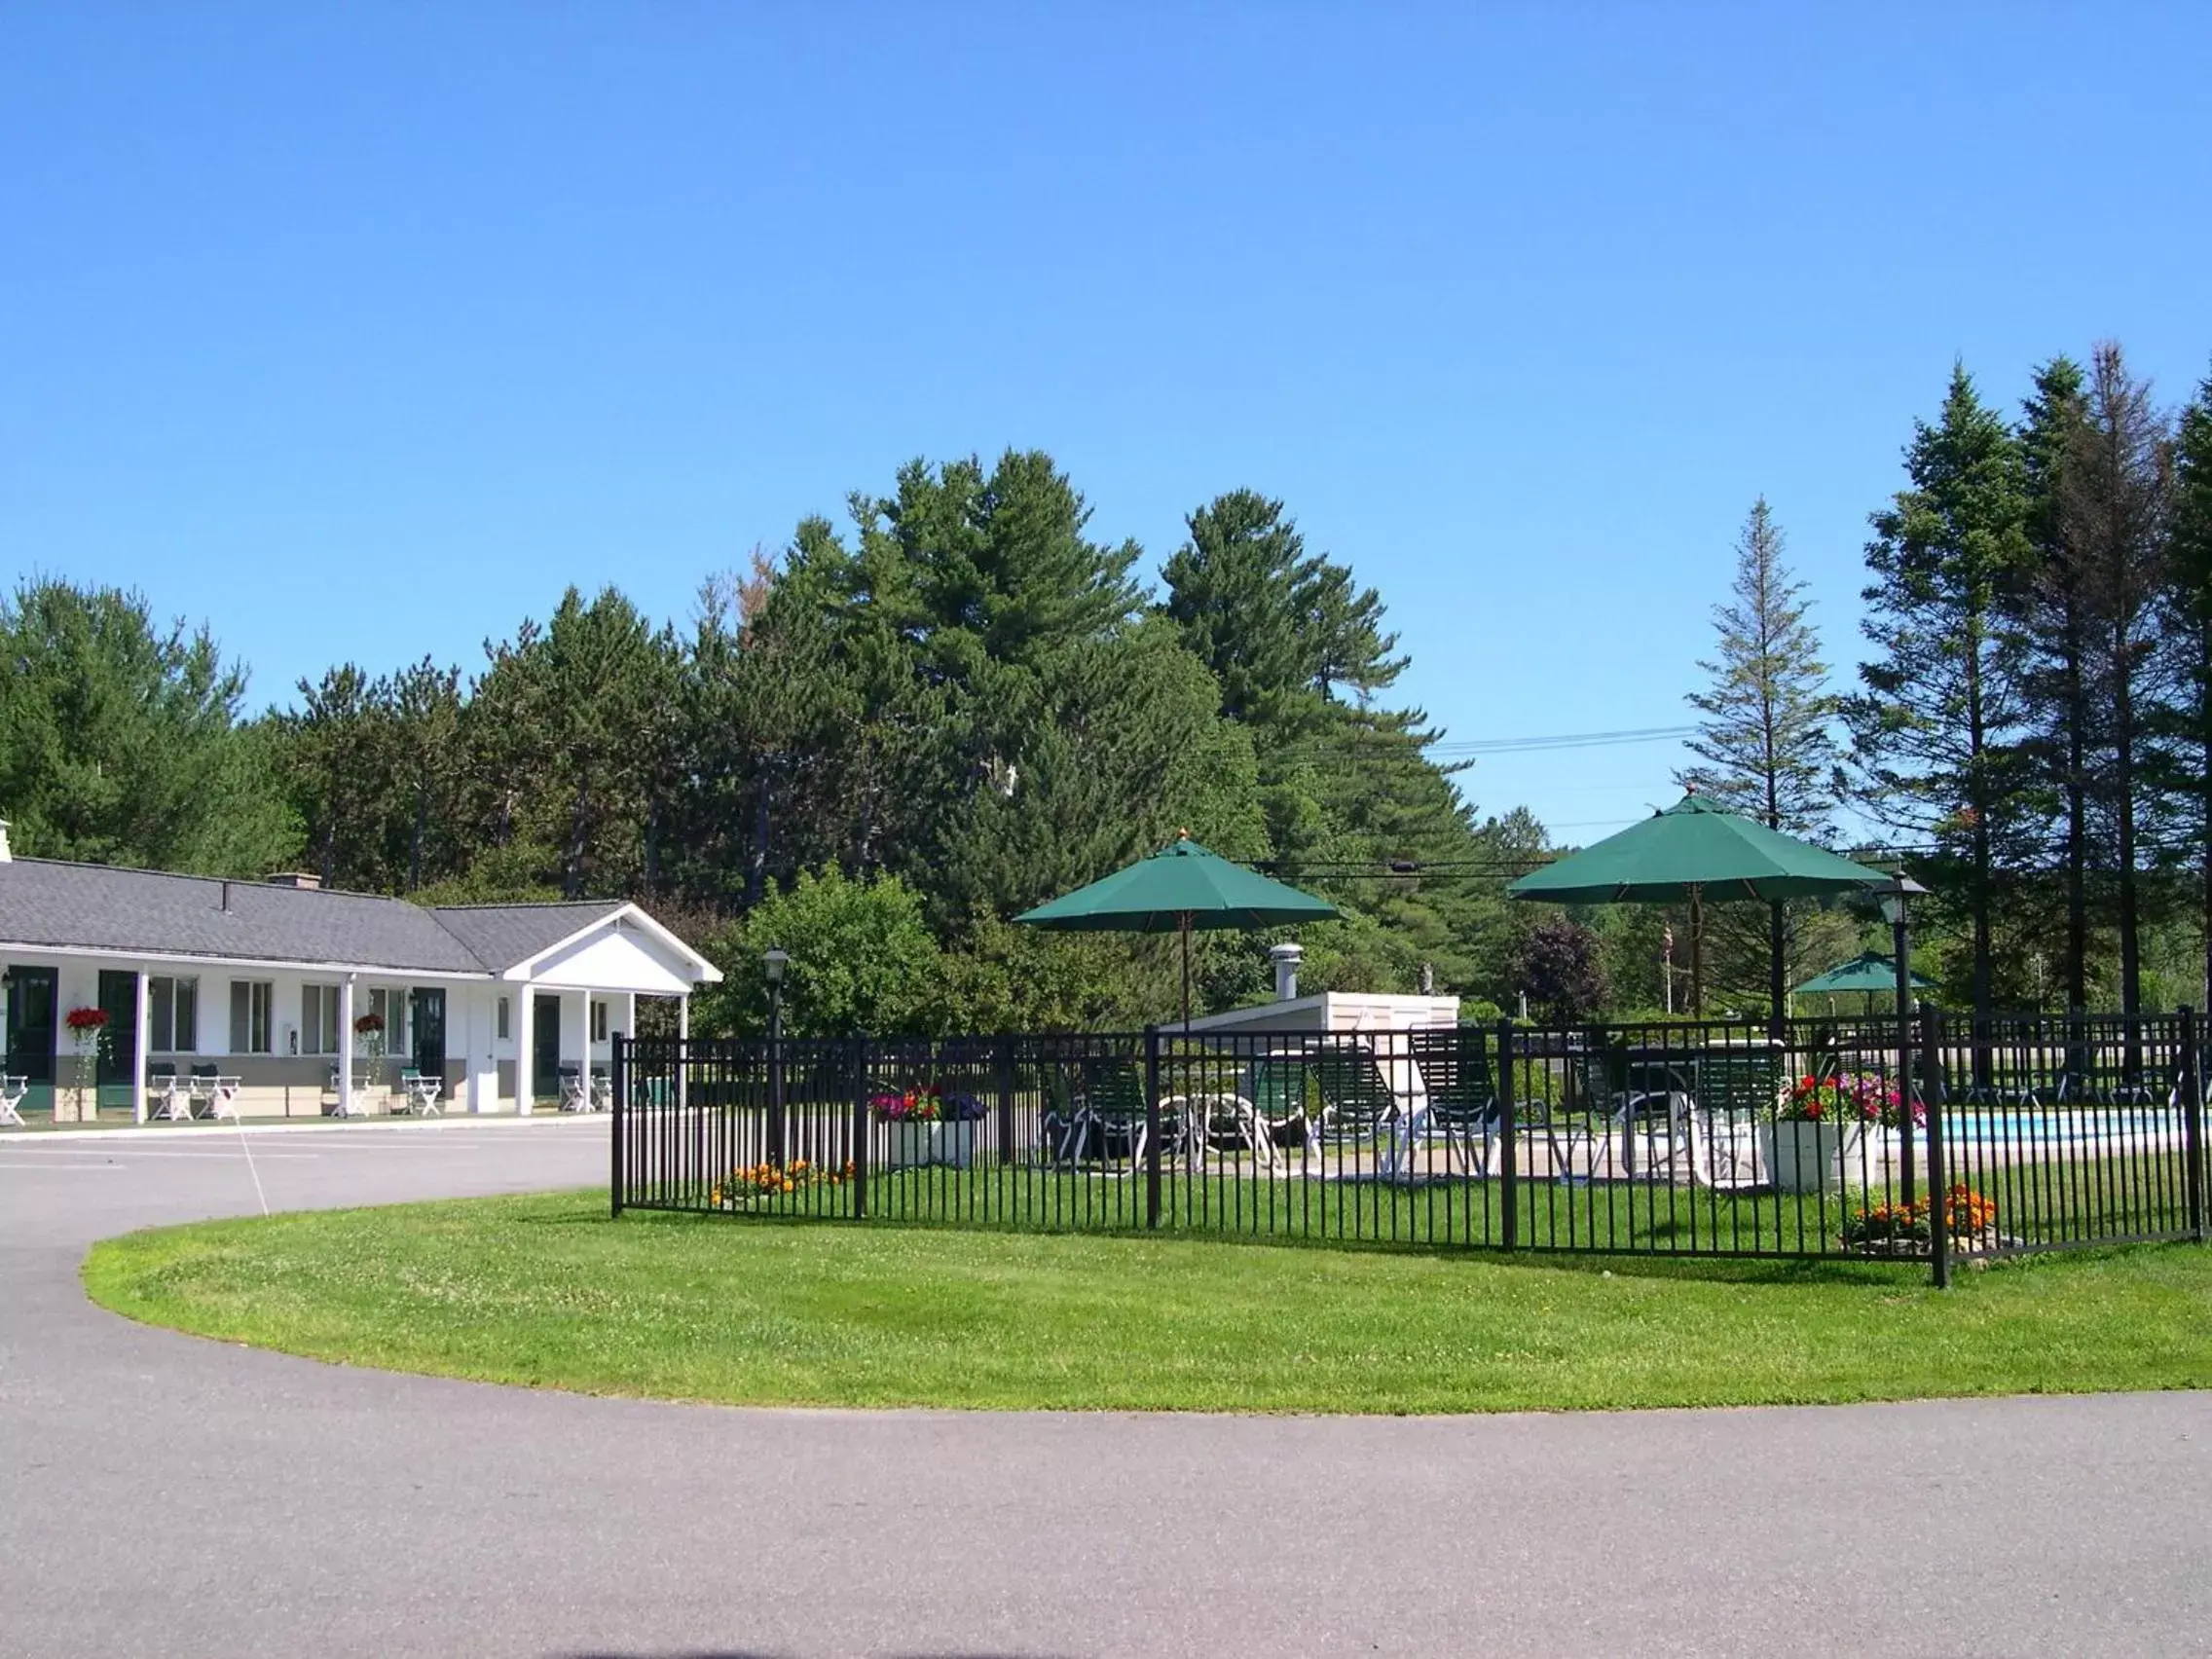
(1827,1138)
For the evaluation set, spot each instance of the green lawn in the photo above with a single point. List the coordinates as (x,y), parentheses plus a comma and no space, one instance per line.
(547,1291)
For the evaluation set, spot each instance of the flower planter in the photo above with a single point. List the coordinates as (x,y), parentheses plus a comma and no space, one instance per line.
(1806,1157)
(913,1145)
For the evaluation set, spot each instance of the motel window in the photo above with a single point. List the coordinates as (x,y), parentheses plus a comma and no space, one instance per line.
(319,1020)
(172,1010)
(390,1007)
(503,1017)
(250,1000)
(599,1022)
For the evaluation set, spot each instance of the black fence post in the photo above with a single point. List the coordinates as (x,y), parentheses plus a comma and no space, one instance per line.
(1510,1141)
(1938,1188)
(775,1057)
(2192,1121)
(1152,1126)
(621,1118)
(1006,1101)
(860,1128)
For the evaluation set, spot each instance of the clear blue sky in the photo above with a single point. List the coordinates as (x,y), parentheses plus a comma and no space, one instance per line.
(359,331)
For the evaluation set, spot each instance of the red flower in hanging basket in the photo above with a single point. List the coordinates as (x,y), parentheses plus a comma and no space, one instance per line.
(85,1018)
(369,1024)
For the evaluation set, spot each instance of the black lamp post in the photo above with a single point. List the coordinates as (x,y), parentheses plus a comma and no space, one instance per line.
(1895,897)
(773,962)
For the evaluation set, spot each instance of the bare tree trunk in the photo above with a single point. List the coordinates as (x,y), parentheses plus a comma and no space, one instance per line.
(756,862)
(421,830)
(2077,816)
(580,822)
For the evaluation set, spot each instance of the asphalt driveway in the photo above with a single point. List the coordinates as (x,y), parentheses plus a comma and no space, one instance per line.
(160,1494)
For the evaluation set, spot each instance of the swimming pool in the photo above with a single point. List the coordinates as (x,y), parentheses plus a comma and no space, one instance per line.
(2098,1127)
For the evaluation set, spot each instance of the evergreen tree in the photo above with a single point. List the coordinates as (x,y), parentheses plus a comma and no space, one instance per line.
(2114,504)
(1764,733)
(119,741)
(2190,602)
(2053,617)
(1935,731)
(1236,593)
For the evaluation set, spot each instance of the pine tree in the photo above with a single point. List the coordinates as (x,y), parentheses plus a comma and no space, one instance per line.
(1936,733)
(119,741)
(2190,602)
(2053,619)
(1239,593)
(2113,503)
(1764,735)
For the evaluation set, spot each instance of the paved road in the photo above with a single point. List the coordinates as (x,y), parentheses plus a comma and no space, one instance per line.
(164,1495)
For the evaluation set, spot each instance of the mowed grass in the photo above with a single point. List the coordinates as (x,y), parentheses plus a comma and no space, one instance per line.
(547,1291)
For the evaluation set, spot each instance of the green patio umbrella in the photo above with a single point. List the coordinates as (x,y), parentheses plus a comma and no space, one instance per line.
(1873,974)
(1178,890)
(1692,851)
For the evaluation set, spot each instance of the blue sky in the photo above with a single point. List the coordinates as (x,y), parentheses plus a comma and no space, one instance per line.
(359,331)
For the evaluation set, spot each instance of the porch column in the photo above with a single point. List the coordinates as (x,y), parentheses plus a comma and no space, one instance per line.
(484,1049)
(346,1046)
(138,1048)
(525,1044)
(576,1017)
(683,1051)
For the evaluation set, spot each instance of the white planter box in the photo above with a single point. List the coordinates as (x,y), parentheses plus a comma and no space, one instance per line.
(913,1145)
(1810,1158)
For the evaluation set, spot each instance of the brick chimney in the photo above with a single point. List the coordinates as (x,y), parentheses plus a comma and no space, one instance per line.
(305,880)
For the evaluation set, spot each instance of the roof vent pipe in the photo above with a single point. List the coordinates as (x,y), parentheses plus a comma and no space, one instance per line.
(226,897)
(1287,958)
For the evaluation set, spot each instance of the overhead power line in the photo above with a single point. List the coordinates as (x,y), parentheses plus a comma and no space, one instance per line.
(1504,744)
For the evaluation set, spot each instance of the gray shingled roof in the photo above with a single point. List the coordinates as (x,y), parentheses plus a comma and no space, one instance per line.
(500,936)
(98,907)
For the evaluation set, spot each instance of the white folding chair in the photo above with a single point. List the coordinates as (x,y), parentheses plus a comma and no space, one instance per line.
(576,1091)
(424,1091)
(166,1097)
(12,1092)
(223,1098)
(359,1106)
(199,1094)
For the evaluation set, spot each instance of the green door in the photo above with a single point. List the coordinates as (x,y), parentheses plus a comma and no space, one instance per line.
(117,1070)
(545,1048)
(31,1026)
(426,1020)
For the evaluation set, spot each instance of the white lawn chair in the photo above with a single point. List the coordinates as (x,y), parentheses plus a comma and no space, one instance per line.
(166,1097)
(201,1090)
(576,1091)
(360,1102)
(422,1092)
(223,1098)
(12,1092)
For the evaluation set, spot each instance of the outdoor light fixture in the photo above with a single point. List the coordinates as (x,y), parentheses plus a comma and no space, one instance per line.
(775,961)
(1894,894)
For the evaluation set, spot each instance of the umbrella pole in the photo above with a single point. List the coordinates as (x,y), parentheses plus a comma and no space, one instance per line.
(1183,926)
(1697,953)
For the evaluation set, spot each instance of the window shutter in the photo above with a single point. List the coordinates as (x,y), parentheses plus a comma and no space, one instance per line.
(241,1016)
(187,1011)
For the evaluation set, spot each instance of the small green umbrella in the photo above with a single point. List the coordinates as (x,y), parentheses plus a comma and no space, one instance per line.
(1873,974)
(1178,890)
(1689,852)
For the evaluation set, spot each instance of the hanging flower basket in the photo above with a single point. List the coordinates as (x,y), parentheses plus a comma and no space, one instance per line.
(369,1025)
(85,1023)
